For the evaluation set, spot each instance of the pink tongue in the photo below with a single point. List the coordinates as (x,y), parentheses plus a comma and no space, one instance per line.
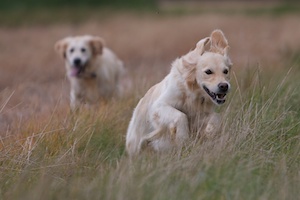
(74,72)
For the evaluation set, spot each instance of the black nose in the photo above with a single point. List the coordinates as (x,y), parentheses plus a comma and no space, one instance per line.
(77,62)
(223,87)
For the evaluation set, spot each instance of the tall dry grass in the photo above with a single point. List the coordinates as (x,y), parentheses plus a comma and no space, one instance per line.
(81,156)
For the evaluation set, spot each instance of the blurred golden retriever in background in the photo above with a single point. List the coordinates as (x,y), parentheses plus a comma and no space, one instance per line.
(93,70)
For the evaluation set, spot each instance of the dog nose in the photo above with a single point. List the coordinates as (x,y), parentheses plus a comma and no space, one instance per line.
(223,87)
(77,62)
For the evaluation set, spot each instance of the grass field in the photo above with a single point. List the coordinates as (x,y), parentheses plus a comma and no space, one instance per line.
(46,152)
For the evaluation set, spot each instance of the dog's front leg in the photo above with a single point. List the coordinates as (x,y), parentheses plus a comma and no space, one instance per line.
(213,125)
(165,116)
(74,100)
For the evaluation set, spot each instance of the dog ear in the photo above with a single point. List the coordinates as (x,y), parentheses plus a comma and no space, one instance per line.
(200,47)
(61,46)
(97,44)
(219,43)
(190,59)
(189,72)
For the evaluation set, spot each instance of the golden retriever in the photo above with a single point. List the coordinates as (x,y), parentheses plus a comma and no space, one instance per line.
(93,70)
(184,100)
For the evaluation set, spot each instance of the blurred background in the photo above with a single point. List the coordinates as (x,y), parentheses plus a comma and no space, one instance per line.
(146,34)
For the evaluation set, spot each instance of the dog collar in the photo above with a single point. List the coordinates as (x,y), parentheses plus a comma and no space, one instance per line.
(93,75)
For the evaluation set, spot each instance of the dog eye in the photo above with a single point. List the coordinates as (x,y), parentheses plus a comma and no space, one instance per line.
(83,50)
(72,50)
(208,72)
(225,71)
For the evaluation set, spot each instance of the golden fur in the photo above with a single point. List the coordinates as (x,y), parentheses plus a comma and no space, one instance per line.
(184,100)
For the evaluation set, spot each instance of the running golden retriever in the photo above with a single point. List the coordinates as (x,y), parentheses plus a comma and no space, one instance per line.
(184,100)
(93,70)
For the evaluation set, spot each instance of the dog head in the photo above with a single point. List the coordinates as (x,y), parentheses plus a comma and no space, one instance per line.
(209,70)
(78,52)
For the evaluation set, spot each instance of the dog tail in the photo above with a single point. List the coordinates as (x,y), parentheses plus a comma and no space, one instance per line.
(133,139)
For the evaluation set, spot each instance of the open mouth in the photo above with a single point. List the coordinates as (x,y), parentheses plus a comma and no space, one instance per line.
(80,72)
(76,71)
(218,98)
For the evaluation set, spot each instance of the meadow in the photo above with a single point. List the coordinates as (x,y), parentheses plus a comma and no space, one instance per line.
(48,152)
